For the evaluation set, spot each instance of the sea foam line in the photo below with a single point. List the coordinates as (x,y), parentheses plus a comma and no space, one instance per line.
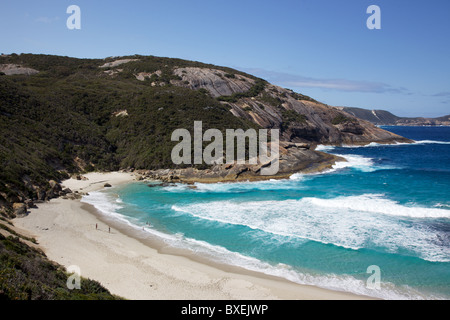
(342,283)
(357,162)
(107,206)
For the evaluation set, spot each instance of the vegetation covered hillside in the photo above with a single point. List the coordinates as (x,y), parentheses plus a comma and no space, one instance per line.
(74,116)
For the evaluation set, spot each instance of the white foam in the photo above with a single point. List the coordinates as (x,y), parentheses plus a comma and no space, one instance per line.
(396,143)
(352,222)
(102,202)
(355,161)
(243,186)
(106,204)
(297,176)
(376,203)
(418,142)
(324,148)
(442,206)
(431,142)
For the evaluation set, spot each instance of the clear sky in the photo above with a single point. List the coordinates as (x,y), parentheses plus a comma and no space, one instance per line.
(320,48)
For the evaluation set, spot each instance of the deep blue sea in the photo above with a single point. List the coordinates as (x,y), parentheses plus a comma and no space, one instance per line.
(388,206)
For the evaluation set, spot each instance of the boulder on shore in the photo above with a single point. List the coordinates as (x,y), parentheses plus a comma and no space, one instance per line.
(19,209)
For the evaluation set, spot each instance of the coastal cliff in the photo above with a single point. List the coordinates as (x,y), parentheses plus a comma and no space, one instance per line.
(60,116)
(300,118)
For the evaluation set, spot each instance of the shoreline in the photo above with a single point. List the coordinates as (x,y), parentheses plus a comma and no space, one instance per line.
(138,266)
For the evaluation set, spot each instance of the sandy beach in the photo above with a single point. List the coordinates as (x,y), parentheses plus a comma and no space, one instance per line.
(73,233)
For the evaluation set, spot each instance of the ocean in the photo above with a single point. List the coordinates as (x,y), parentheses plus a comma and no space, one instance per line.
(376,225)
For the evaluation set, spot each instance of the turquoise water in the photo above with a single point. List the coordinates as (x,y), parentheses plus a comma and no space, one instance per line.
(388,206)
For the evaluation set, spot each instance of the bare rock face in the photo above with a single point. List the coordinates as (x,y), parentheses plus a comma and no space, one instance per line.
(141,76)
(12,69)
(116,63)
(217,82)
(121,113)
(19,209)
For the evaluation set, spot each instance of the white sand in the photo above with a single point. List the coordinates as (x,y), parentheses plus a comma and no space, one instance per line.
(131,268)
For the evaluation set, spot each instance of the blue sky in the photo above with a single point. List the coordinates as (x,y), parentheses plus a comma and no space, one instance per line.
(321,48)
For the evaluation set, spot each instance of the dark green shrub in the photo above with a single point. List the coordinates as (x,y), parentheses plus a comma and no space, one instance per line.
(341,119)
